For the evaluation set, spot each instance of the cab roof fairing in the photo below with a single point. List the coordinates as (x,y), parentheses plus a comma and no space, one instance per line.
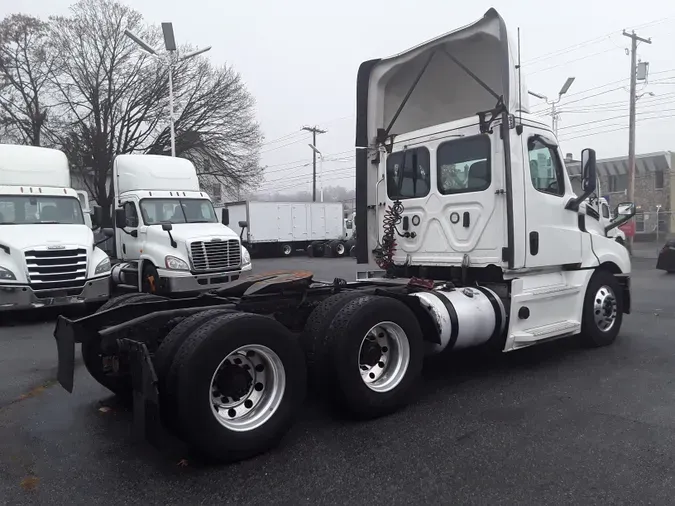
(446,92)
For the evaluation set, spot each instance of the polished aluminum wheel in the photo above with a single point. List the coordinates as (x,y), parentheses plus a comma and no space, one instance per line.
(247,387)
(604,308)
(384,357)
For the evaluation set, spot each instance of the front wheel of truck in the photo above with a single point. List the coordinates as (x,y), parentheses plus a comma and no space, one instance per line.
(603,310)
(241,381)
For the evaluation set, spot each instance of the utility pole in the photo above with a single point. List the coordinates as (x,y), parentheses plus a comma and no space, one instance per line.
(315,130)
(631,122)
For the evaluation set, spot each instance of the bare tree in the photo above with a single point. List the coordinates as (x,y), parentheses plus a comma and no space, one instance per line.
(112,97)
(26,63)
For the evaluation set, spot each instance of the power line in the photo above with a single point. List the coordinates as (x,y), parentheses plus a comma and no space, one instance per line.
(596,132)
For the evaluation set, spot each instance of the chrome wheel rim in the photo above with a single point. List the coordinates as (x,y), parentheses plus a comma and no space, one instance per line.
(340,249)
(604,308)
(287,249)
(384,356)
(247,387)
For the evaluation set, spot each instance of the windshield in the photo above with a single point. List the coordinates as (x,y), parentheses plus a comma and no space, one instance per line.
(156,211)
(24,210)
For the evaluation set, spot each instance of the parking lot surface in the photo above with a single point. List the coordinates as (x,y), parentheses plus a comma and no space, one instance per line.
(554,424)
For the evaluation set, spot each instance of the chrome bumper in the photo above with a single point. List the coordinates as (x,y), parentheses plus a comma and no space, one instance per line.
(24,297)
(185,282)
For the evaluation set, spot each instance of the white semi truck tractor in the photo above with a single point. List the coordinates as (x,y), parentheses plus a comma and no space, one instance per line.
(469,235)
(168,238)
(47,251)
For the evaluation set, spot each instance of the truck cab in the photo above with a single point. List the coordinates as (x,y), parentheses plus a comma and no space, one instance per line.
(448,193)
(167,236)
(47,251)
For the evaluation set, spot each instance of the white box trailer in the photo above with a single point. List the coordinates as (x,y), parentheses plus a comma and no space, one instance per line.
(280,228)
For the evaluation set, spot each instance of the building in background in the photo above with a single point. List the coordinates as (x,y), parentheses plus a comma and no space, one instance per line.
(654,191)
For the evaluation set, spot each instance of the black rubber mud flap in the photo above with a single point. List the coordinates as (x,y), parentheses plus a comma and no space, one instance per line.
(65,345)
(147,422)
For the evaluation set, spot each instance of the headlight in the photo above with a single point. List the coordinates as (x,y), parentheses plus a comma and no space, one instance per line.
(6,274)
(103,266)
(245,256)
(176,264)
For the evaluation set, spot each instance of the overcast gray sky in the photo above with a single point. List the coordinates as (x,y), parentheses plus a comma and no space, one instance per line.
(299,59)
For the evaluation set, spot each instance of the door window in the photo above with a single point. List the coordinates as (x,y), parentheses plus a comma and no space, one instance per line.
(408,174)
(546,171)
(131,214)
(605,211)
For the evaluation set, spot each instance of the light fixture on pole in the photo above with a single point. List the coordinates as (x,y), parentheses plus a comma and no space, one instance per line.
(170,46)
(316,150)
(555,115)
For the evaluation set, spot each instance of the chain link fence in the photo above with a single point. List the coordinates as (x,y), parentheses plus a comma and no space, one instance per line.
(652,230)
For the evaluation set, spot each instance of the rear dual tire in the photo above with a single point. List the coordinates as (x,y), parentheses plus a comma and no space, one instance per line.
(365,352)
(235,384)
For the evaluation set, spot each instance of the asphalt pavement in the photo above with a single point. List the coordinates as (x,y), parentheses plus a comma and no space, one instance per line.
(554,424)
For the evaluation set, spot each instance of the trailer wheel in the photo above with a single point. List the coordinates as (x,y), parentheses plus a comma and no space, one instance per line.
(352,252)
(603,310)
(286,250)
(91,349)
(314,334)
(164,358)
(241,381)
(339,249)
(375,351)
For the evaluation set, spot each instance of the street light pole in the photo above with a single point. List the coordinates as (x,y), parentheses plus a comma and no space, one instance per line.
(173,132)
(555,114)
(170,46)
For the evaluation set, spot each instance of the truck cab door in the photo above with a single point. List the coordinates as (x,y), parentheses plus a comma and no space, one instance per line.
(553,236)
(129,240)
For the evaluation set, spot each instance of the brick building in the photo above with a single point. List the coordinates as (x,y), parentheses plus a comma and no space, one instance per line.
(653,187)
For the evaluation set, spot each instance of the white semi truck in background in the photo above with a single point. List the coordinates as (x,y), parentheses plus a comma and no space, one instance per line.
(280,228)
(462,241)
(47,251)
(168,238)
(598,211)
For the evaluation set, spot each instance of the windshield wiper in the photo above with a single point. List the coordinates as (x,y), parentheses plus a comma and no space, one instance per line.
(201,221)
(50,222)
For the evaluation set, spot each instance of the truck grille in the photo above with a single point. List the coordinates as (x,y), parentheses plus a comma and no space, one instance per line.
(63,269)
(214,255)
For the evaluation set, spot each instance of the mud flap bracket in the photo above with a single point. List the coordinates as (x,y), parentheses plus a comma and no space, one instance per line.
(147,421)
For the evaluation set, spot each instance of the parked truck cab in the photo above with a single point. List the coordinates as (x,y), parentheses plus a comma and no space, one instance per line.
(47,251)
(167,236)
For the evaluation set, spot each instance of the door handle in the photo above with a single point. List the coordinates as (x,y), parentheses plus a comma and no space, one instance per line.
(466,219)
(534,243)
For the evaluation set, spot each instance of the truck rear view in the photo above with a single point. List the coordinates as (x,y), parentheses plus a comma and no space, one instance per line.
(47,252)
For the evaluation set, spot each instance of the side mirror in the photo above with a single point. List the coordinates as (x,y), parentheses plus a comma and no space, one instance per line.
(225,218)
(108,232)
(167,227)
(588,179)
(120,218)
(625,209)
(97,216)
(624,212)
(243,224)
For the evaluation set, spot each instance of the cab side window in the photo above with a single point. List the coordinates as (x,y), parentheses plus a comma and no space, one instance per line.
(605,211)
(408,174)
(131,214)
(546,171)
